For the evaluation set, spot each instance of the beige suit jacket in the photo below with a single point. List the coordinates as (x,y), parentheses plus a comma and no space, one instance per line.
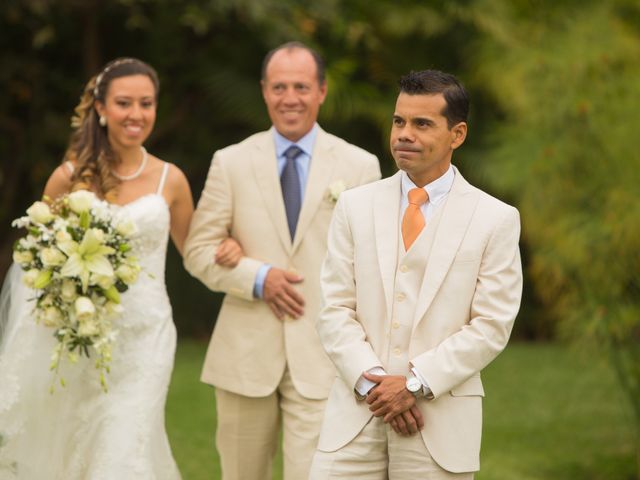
(242,198)
(467,303)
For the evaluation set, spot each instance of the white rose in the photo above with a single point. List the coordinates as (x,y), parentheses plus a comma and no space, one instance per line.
(52,257)
(126,228)
(68,290)
(40,212)
(85,309)
(81,201)
(127,273)
(29,278)
(63,236)
(88,328)
(22,256)
(52,317)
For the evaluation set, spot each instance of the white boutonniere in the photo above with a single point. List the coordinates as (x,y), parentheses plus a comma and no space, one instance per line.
(334,191)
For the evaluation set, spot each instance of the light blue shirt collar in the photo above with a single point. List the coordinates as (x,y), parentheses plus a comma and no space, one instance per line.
(306,143)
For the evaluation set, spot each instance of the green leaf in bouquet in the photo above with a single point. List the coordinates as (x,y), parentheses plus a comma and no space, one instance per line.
(85,219)
(42,280)
(112,294)
(124,247)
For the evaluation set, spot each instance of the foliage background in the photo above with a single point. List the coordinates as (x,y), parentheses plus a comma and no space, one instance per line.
(555,94)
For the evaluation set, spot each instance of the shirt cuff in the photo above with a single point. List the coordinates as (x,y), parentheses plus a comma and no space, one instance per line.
(258,286)
(426,391)
(364,386)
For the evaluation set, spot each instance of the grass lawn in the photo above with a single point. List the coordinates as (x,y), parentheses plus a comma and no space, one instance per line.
(551,413)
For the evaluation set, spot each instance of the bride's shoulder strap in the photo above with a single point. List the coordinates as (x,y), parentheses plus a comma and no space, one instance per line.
(163,177)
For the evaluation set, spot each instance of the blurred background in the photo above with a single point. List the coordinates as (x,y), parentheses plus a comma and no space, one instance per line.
(555,89)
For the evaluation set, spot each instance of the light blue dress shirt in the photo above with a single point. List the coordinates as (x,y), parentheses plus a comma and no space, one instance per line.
(303,162)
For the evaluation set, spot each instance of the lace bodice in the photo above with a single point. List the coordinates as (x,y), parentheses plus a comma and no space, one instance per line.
(150,214)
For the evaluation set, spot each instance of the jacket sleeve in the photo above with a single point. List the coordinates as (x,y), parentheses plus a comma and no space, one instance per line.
(210,225)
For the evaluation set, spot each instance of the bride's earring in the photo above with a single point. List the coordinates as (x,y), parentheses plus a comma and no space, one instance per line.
(103,121)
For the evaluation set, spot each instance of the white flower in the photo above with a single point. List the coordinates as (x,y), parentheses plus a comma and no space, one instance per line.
(81,201)
(52,257)
(22,256)
(52,317)
(90,256)
(29,278)
(126,228)
(127,273)
(62,236)
(22,222)
(101,211)
(88,328)
(40,212)
(85,309)
(103,281)
(335,189)
(68,290)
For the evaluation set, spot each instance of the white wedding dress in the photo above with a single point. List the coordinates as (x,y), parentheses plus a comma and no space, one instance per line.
(79,432)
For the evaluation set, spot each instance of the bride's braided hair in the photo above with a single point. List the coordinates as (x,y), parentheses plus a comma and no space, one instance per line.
(89,148)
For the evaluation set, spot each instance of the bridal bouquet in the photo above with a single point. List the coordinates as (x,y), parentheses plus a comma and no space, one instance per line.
(77,257)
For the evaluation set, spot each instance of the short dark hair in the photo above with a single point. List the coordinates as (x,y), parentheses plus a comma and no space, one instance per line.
(432,82)
(293,46)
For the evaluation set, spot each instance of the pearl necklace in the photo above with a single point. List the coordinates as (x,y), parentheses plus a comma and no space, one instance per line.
(136,174)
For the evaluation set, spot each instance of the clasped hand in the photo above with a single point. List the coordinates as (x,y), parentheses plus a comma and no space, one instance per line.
(390,399)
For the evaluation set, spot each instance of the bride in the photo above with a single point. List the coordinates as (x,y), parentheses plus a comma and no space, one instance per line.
(80,432)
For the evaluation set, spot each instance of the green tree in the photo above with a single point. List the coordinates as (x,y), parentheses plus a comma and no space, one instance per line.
(566,82)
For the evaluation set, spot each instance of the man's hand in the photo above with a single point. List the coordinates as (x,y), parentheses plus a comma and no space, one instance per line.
(228,253)
(280,294)
(408,422)
(390,397)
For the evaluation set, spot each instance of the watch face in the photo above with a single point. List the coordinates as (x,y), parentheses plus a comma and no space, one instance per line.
(414,385)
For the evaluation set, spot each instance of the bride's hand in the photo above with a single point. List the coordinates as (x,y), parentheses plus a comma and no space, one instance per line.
(229,253)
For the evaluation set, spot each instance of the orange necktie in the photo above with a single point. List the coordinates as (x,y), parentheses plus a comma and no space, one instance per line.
(413,220)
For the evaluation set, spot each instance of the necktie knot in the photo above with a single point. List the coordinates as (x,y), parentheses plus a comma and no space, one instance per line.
(292,152)
(418,196)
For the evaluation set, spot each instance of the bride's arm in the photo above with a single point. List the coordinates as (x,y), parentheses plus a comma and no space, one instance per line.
(180,204)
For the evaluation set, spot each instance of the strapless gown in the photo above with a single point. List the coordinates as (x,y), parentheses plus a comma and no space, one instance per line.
(79,432)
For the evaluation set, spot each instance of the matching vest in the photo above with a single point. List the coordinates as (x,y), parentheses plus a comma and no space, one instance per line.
(409,276)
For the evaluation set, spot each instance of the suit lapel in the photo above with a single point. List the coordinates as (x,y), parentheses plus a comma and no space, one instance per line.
(456,216)
(323,161)
(265,169)
(386,211)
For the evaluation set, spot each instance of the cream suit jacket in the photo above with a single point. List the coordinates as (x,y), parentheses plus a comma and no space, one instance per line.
(468,300)
(242,199)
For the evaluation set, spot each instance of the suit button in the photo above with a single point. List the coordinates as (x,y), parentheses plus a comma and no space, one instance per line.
(397,352)
(404,268)
(400,297)
(396,325)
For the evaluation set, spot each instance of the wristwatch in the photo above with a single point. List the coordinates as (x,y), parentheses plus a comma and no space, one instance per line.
(414,386)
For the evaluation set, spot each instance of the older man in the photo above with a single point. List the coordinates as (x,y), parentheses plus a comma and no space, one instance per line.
(274,193)
(421,283)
